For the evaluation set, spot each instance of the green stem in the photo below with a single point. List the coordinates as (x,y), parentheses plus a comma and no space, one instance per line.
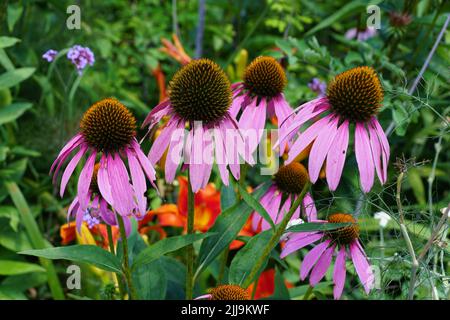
(35,236)
(275,237)
(190,248)
(112,250)
(308,293)
(126,262)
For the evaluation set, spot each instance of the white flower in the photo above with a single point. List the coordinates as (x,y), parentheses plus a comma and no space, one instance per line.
(443,211)
(383,218)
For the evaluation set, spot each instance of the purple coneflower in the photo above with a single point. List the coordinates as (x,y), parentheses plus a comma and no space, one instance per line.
(260,95)
(107,130)
(318,87)
(97,210)
(361,35)
(81,57)
(200,96)
(353,98)
(226,292)
(288,182)
(318,260)
(50,55)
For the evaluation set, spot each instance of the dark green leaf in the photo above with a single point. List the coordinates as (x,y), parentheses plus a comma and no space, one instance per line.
(11,78)
(316,226)
(13,111)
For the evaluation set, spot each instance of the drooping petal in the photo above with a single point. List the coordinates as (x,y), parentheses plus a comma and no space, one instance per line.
(84,181)
(103,181)
(157,113)
(376,152)
(252,122)
(310,207)
(175,151)
(362,266)
(336,156)
(144,161)
(70,168)
(79,218)
(311,258)
(138,179)
(106,214)
(73,207)
(339,273)
(236,105)
(220,155)
(196,164)
(302,240)
(272,209)
(264,201)
(283,111)
(121,190)
(321,267)
(385,149)
(307,137)
(320,149)
(162,142)
(364,157)
(69,147)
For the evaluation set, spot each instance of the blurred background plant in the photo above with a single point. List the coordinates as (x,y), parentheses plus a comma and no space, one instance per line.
(41,103)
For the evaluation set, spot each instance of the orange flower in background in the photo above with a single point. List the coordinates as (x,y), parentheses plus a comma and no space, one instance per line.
(266,285)
(97,234)
(175,50)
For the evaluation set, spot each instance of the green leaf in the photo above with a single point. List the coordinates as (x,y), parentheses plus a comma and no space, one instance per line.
(227,226)
(255,205)
(13,111)
(12,214)
(227,196)
(14,12)
(317,226)
(244,260)
(11,78)
(6,42)
(10,267)
(80,253)
(281,292)
(348,9)
(167,245)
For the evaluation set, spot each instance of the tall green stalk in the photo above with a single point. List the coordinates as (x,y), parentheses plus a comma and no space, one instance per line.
(275,237)
(35,236)
(190,248)
(126,262)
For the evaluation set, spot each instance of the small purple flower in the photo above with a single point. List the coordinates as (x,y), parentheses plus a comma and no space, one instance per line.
(361,35)
(318,87)
(81,57)
(90,219)
(50,55)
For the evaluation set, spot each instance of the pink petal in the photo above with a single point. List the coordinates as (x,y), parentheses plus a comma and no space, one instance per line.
(304,239)
(70,168)
(364,157)
(307,137)
(272,208)
(236,105)
(79,219)
(310,207)
(66,150)
(385,150)
(175,152)
(138,179)
(312,257)
(144,161)
(376,152)
(157,113)
(103,181)
(162,142)
(339,273)
(121,190)
(221,156)
(320,148)
(362,266)
(107,214)
(321,267)
(84,181)
(73,207)
(336,156)
(253,120)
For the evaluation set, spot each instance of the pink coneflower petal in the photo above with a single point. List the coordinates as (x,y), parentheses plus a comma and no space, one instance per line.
(307,137)
(362,266)
(253,119)
(339,273)
(157,114)
(376,152)
(336,156)
(272,209)
(79,219)
(103,181)
(138,179)
(364,157)
(121,191)
(106,214)
(298,241)
(320,149)
(66,150)
(283,111)
(311,258)
(236,106)
(385,149)
(72,208)
(84,181)
(162,142)
(321,267)
(265,200)
(145,162)
(174,153)
(70,168)
(205,296)
(197,165)
(310,207)
(278,215)
(208,150)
